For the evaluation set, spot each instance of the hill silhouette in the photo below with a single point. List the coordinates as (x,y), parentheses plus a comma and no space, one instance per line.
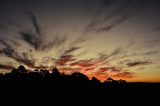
(50,87)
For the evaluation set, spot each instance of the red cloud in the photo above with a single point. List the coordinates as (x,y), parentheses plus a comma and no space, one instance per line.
(90,69)
(83,63)
(124,75)
(103,70)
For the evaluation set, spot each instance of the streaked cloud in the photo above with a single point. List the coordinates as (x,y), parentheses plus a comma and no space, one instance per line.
(63,60)
(10,52)
(6,67)
(34,21)
(138,63)
(124,75)
(70,50)
(116,51)
(107,17)
(151,53)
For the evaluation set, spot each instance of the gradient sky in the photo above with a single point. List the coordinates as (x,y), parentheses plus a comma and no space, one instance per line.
(101,38)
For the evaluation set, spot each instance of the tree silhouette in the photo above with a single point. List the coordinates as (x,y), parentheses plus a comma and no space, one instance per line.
(21,69)
(109,80)
(53,87)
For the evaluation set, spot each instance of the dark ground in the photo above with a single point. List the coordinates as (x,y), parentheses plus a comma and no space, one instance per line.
(54,89)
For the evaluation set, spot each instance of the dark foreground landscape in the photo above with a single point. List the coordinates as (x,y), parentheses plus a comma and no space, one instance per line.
(41,87)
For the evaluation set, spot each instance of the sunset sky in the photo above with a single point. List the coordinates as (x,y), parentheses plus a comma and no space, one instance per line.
(101,38)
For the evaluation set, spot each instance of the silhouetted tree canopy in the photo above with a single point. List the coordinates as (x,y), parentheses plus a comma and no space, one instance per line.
(53,87)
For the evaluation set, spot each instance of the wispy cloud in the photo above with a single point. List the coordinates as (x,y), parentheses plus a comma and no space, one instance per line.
(7,67)
(40,67)
(124,75)
(10,52)
(113,72)
(114,23)
(70,50)
(113,69)
(150,53)
(36,40)
(138,63)
(83,63)
(116,51)
(104,5)
(120,12)
(63,60)
(31,39)
(107,17)
(34,21)
(117,10)
(56,42)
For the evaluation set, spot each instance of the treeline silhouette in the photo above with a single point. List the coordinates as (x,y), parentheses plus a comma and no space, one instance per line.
(55,88)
